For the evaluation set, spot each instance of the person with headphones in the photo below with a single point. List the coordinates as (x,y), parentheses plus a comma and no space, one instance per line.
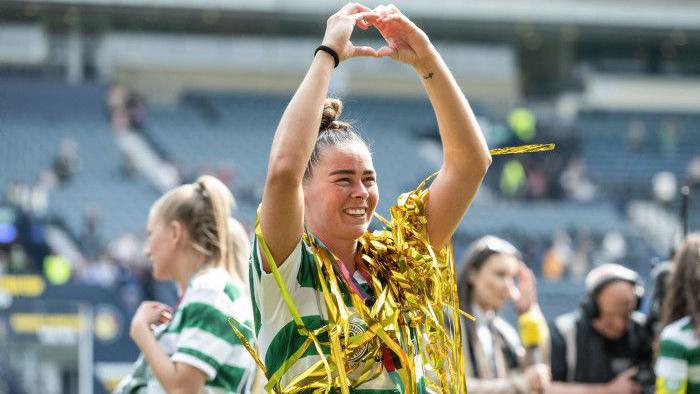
(603,346)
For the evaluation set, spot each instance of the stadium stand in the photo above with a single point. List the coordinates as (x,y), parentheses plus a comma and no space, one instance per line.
(35,117)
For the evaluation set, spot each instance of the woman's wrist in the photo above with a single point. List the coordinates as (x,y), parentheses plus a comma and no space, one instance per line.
(138,330)
(523,310)
(428,64)
(330,51)
(326,57)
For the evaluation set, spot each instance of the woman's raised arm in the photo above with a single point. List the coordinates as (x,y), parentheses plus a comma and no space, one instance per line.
(282,212)
(465,154)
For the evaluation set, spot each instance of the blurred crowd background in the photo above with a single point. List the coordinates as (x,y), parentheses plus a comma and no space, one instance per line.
(105,104)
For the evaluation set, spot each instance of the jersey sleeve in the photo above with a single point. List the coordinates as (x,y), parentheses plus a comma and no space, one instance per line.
(206,341)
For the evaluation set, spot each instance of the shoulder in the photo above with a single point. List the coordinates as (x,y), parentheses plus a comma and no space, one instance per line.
(510,334)
(680,332)
(300,251)
(566,322)
(214,279)
(214,289)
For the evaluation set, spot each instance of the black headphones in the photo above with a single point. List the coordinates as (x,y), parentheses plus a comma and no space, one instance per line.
(600,277)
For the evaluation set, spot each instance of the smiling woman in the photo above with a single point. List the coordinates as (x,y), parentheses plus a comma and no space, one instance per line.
(336,307)
(341,175)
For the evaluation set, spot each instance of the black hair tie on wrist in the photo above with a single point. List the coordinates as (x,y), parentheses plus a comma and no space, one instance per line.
(329,51)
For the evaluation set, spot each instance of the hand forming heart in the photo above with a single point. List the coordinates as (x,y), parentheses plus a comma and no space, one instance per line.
(405,42)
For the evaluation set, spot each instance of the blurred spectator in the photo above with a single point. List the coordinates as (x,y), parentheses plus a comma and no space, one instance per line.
(603,346)
(613,247)
(117,97)
(137,111)
(57,269)
(17,193)
(66,161)
(669,135)
(512,178)
(679,344)
(126,248)
(91,239)
(636,135)
(40,191)
(102,272)
(18,260)
(523,123)
(581,259)
(126,109)
(537,182)
(694,171)
(664,187)
(495,358)
(575,181)
(556,258)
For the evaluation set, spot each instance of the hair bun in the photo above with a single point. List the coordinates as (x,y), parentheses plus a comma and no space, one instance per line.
(329,118)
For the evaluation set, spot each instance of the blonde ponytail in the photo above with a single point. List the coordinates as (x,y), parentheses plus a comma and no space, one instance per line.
(204,207)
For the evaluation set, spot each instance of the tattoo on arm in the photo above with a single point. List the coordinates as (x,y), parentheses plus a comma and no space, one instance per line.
(428,76)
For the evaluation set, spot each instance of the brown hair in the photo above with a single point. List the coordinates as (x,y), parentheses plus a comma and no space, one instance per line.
(683,298)
(204,208)
(331,132)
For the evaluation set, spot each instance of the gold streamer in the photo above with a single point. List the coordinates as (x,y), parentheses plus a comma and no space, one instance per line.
(522,149)
(416,299)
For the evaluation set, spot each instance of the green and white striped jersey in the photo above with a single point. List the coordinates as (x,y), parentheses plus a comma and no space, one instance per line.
(199,335)
(678,366)
(276,331)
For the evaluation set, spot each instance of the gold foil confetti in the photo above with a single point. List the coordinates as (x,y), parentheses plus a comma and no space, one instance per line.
(522,149)
(411,312)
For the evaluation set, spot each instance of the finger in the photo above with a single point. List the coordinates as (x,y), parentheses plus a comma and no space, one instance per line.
(378,24)
(514,293)
(165,316)
(363,51)
(364,19)
(628,373)
(149,304)
(365,22)
(386,51)
(393,9)
(397,19)
(381,10)
(353,8)
(365,16)
(381,27)
(525,275)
